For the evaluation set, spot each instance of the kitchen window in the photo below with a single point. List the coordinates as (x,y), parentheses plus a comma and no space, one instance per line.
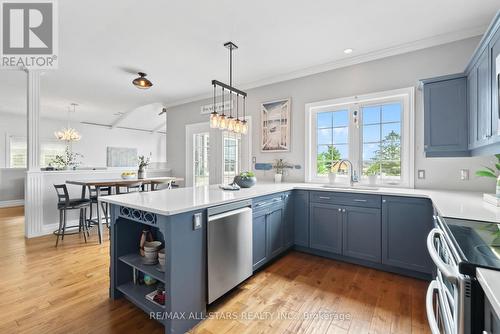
(374,132)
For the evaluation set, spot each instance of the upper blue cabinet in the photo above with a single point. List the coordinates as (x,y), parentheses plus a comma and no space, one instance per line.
(461,112)
(445,116)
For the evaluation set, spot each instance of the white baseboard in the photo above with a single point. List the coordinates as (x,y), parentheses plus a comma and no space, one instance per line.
(8,204)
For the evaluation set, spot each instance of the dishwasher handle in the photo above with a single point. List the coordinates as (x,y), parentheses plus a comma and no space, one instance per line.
(228,213)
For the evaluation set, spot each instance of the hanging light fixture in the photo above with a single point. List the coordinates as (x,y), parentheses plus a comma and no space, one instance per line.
(68,134)
(219,120)
(141,82)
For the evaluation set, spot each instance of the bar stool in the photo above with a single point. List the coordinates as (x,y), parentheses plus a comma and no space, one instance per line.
(64,203)
(131,187)
(103,191)
(159,185)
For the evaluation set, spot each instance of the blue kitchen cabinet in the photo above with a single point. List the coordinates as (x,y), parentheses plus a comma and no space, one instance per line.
(406,222)
(472,106)
(484,115)
(276,232)
(494,47)
(259,244)
(289,219)
(445,116)
(326,227)
(362,233)
(301,217)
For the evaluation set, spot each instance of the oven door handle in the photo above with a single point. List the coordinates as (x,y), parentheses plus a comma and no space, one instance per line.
(449,272)
(431,317)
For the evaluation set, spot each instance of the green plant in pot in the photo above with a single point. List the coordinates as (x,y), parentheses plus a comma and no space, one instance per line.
(492,173)
(245,179)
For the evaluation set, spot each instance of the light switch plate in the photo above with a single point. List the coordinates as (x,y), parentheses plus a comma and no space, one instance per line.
(464,174)
(197,221)
(421,174)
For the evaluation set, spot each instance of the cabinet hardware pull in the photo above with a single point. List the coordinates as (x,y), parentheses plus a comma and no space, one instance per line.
(324,197)
(343,210)
(359,200)
(340,209)
(384,200)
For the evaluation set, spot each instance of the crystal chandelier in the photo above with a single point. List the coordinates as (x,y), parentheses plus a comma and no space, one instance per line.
(68,134)
(235,96)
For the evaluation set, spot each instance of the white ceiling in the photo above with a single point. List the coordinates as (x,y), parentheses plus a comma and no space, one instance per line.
(179,45)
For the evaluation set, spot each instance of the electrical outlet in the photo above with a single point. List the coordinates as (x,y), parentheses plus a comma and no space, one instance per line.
(464,174)
(421,174)
(197,221)
(254,160)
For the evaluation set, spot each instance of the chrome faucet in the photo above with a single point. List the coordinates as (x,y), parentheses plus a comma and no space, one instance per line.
(352,172)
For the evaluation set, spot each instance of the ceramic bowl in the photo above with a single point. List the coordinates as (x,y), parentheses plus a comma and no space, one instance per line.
(152,246)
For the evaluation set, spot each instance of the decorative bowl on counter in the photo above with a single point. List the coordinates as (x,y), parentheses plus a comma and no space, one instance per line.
(129,175)
(245,180)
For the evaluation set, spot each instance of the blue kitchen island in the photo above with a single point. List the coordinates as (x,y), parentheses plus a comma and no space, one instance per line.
(382,228)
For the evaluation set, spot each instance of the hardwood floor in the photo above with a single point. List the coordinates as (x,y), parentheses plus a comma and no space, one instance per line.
(44,289)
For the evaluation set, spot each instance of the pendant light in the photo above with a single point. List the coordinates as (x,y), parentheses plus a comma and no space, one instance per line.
(244,124)
(141,82)
(219,120)
(68,134)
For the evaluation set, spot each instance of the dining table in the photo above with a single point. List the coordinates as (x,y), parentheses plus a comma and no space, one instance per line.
(116,183)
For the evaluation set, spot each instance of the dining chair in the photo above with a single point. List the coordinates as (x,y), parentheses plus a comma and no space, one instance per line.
(65,204)
(131,187)
(159,185)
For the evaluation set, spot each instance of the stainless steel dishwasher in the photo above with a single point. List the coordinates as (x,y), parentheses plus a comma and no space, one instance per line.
(229,243)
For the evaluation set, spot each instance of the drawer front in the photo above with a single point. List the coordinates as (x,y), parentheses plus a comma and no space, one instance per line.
(265,202)
(349,199)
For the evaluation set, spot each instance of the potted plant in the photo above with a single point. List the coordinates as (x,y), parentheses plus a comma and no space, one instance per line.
(143,163)
(494,174)
(245,179)
(280,166)
(68,160)
(372,173)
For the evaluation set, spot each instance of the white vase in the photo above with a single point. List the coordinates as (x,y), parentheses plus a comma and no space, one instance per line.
(372,180)
(141,174)
(278,178)
(331,177)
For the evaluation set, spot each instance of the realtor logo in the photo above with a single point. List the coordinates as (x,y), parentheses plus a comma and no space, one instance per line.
(29,34)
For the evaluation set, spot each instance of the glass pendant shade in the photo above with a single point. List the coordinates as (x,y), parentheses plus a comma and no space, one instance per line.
(230,123)
(237,126)
(214,120)
(244,127)
(222,122)
(141,82)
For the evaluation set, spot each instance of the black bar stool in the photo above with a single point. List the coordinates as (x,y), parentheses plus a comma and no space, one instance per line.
(64,203)
(103,191)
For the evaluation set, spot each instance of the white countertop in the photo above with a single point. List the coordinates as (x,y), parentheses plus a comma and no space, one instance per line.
(490,282)
(456,204)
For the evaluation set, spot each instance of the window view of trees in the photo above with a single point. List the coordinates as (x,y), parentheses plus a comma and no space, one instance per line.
(387,159)
(326,159)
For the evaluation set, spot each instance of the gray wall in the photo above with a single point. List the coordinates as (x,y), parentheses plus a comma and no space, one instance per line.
(384,74)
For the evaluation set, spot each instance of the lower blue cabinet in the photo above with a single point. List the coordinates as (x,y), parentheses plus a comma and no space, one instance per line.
(362,233)
(301,217)
(259,245)
(326,227)
(406,222)
(275,231)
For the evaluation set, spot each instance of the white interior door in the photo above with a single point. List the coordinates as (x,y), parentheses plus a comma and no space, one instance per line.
(214,156)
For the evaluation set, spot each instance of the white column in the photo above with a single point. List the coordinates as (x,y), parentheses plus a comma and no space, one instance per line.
(33,194)
(33,103)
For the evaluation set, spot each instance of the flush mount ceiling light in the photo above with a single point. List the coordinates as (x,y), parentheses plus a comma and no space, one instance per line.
(68,134)
(347,51)
(141,82)
(228,97)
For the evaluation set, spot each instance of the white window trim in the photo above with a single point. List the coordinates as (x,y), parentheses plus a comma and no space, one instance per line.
(406,95)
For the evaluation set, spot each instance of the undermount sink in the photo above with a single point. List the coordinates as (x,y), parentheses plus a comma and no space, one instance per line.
(340,186)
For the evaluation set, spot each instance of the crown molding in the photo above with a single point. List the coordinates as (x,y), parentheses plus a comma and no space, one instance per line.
(354,60)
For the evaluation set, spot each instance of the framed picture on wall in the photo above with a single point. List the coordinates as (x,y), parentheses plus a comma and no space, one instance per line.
(275,125)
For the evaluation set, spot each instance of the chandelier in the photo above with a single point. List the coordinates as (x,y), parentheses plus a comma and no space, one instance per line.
(234,96)
(68,134)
